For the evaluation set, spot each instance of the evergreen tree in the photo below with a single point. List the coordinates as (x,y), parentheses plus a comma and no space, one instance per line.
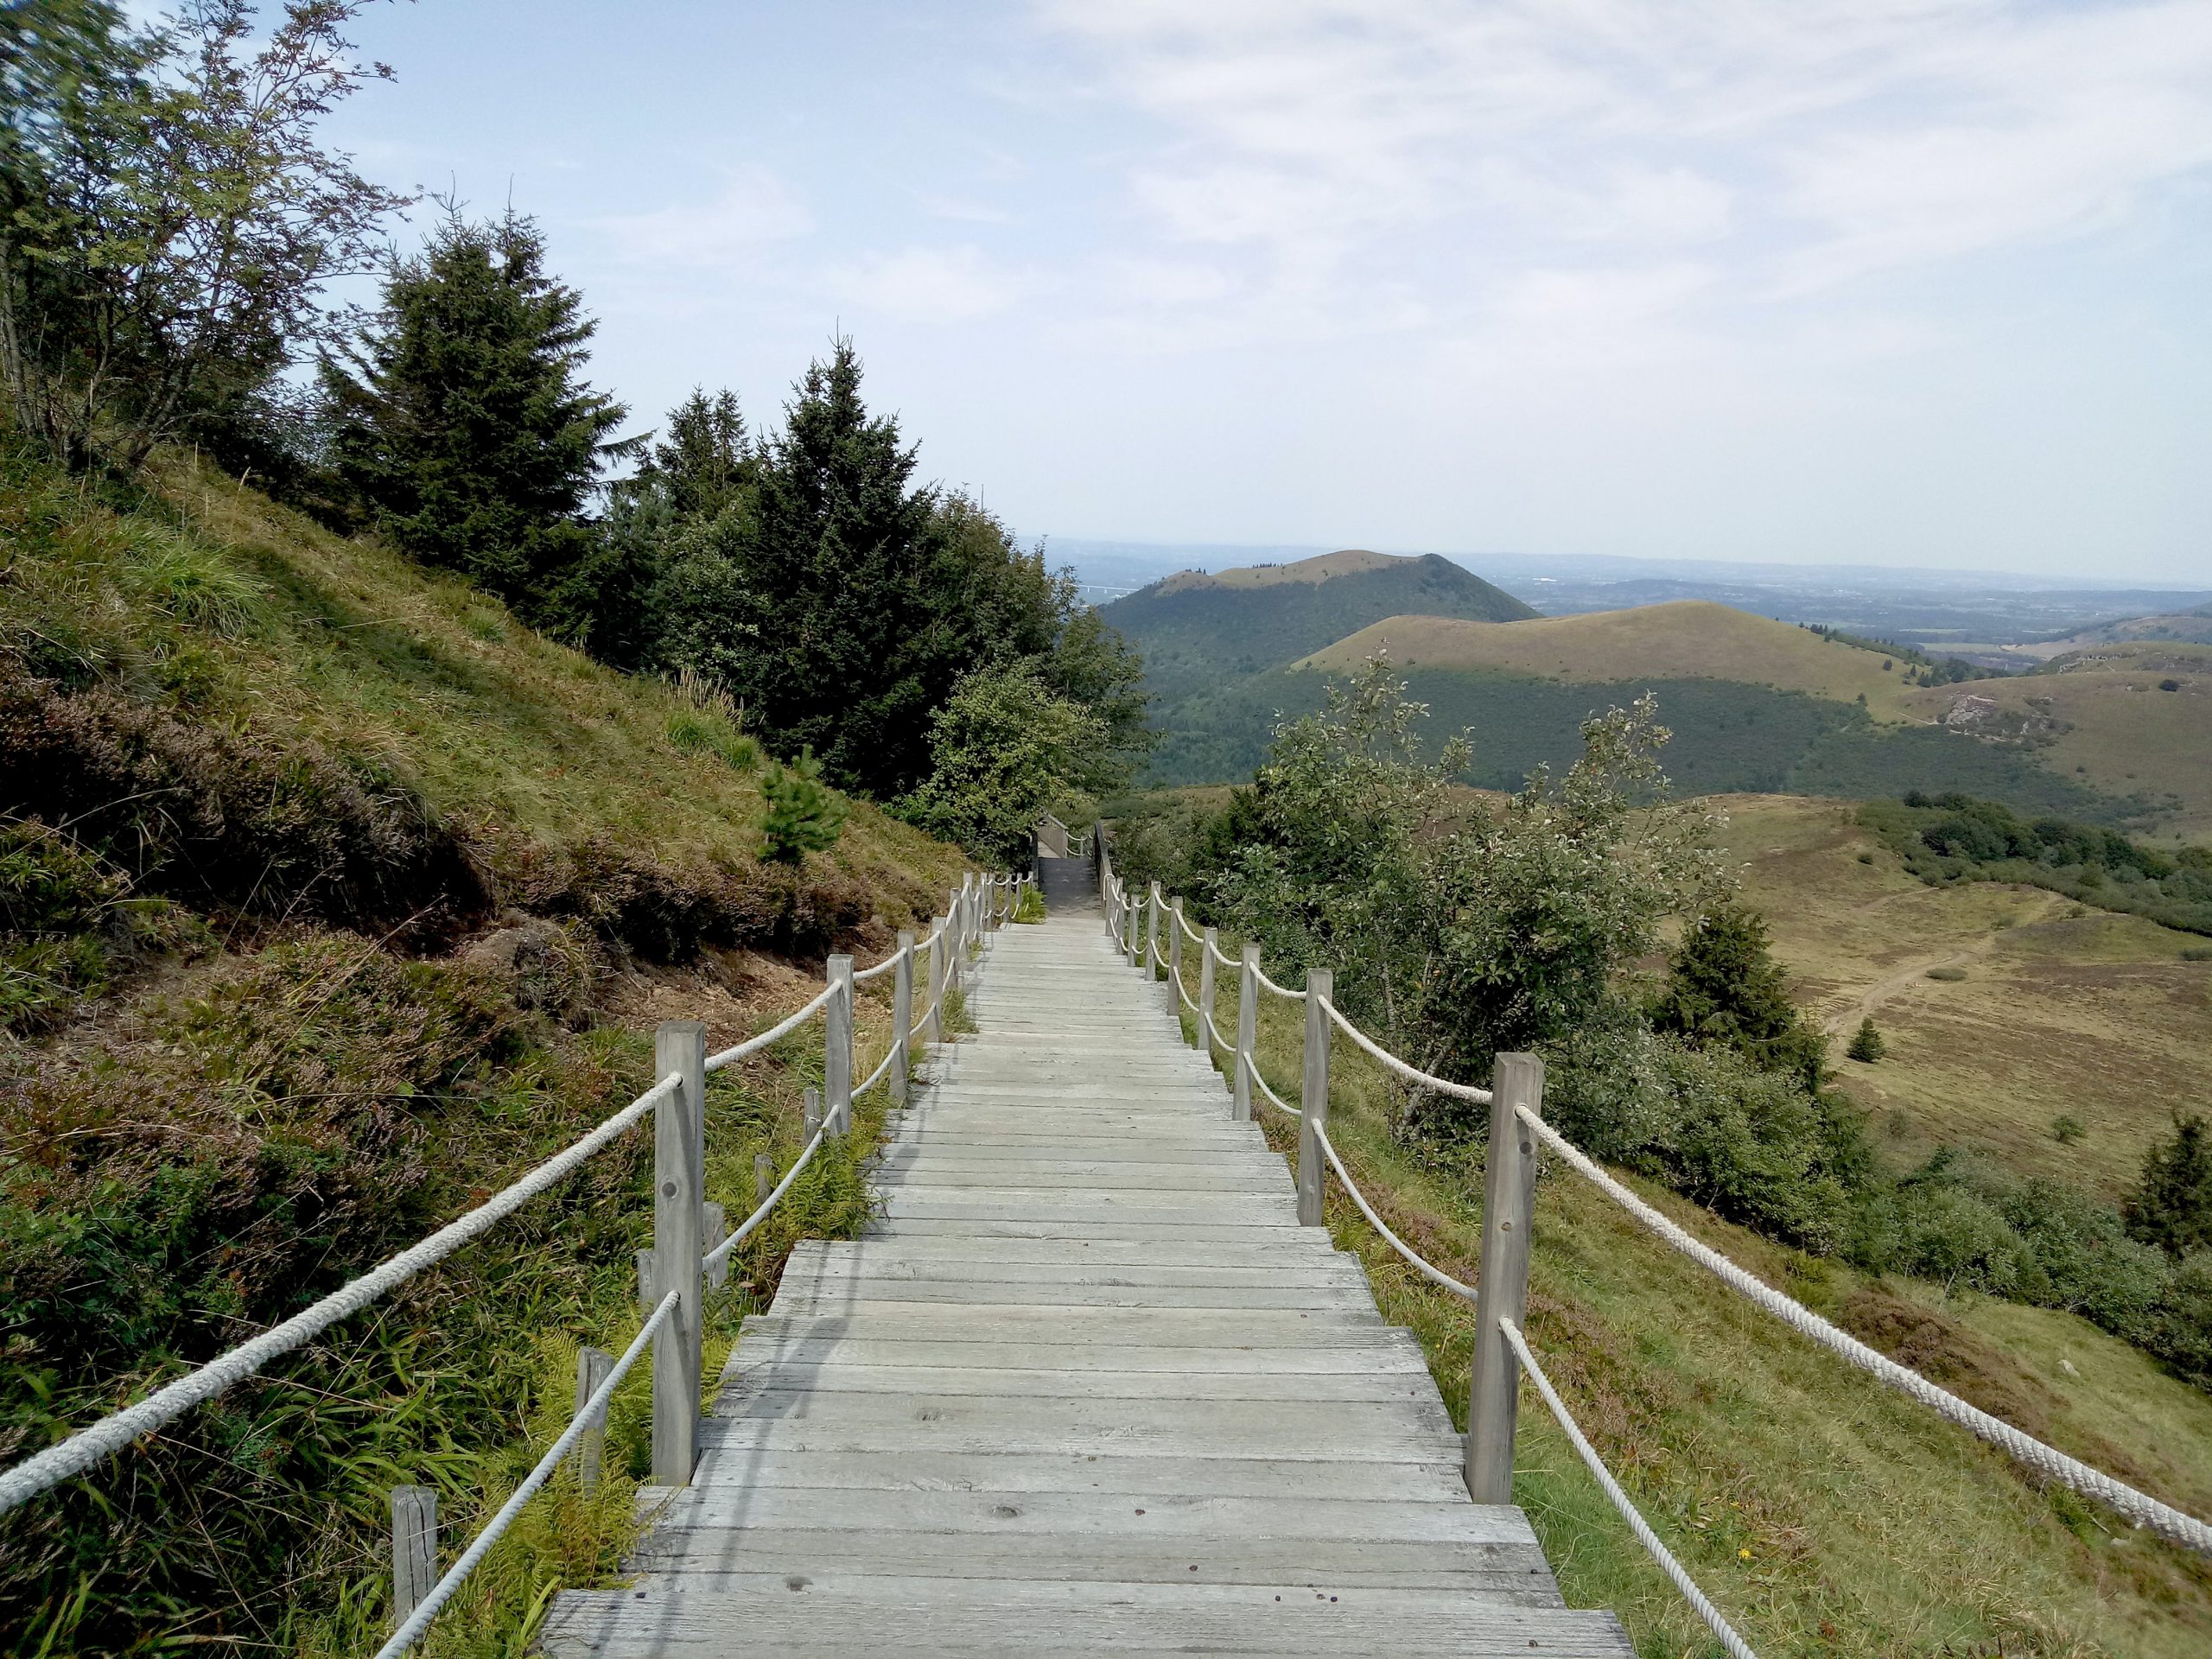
(705,460)
(1866,1044)
(463,420)
(1724,988)
(2171,1205)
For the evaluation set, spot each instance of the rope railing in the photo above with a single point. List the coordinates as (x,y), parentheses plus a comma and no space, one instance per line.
(979,904)
(1673,1569)
(1242,1062)
(588,1416)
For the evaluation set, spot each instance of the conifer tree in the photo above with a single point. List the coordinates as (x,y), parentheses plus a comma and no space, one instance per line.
(463,420)
(1724,988)
(2171,1205)
(1867,1043)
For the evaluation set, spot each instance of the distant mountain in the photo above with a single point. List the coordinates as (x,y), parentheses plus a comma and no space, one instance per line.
(1196,631)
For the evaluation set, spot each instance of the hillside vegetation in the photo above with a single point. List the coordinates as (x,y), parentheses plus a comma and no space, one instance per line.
(330,897)
(1196,631)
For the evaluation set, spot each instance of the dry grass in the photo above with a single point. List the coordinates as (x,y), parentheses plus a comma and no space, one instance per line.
(1346,562)
(1692,639)
(2062,1009)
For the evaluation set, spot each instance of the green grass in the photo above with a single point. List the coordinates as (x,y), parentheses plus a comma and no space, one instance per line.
(1824,1514)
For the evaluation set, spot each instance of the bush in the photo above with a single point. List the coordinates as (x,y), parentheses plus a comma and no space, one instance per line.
(1948,975)
(2067,1129)
(803,815)
(1937,1230)
(2171,1205)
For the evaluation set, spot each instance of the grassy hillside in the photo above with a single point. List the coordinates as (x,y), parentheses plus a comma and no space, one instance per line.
(330,900)
(2061,1010)
(1690,639)
(1825,1514)
(1197,629)
(2133,718)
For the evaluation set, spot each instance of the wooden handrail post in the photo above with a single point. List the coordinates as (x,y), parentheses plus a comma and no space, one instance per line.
(1175,963)
(1205,992)
(1508,1200)
(811,1111)
(1313,1096)
(679,1146)
(1248,1033)
(1151,930)
(837,1047)
(764,1179)
(643,1258)
(1132,926)
(414,1548)
(939,949)
(902,1014)
(714,1227)
(592,1366)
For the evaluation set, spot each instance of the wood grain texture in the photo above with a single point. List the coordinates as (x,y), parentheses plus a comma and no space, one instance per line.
(1085,1386)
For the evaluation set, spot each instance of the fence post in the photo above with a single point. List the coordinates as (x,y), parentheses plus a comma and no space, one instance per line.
(1175,963)
(592,1366)
(1205,992)
(714,1227)
(764,1179)
(939,934)
(679,1135)
(644,1261)
(1248,1033)
(1508,1198)
(1151,929)
(414,1548)
(837,1047)
(1132,926)
(902,1014)
(1313,1096)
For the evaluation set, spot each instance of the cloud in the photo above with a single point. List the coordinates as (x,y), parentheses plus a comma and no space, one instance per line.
(753,212)
(932,284)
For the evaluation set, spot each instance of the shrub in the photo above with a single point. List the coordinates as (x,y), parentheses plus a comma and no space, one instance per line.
(2197,953)
(1867,1043)
(1724,988)
(1948,975)
(1032,907)
(2067,1129)
(803,815)
(1937,1229)
(2168,685)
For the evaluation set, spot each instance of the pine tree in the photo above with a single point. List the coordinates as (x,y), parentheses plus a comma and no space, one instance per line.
(1724,988)
(463,420)
(2171,1205)
(706,459)
(803,815)
(1866,1044)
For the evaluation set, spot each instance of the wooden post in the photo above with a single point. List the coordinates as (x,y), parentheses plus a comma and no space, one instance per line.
(414,1548)
(1205,991)
(714,1227)
(938,935)
(764,1179)
(902,1014)
(679,1131)
(813,1112)
(1175,963)
(644,1260)
(1132,928)
(592,1366)
(1508,1200)
(1248,1033)
(837,1047)
(1313,1097)
(1151,930)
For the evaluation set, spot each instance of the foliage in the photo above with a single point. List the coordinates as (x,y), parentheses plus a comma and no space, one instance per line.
(2171,1205)
(1724,988)
(170,217)
(1031,907)
(1953,836)
(809,577)
(1867,1044)
(1005,749)
(2068,1130)
(1457,934)
(803,815)
(461,419)
(68,925)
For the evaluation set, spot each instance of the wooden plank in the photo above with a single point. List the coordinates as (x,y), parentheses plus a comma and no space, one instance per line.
(1067,1382)
(831,1296)
(752,1469)
(1391,1352)
(1141,1327)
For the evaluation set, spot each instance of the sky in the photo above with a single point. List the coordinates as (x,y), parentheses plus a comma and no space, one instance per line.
(1886,282)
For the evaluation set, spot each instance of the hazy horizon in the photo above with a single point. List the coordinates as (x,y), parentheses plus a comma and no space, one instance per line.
(1915,284)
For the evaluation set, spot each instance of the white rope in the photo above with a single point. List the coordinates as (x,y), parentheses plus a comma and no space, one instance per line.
(1411,1074)
(721,1252)
(418,1622)
(883,966)
(1189,932)
(1215,1028)
(755,1045)
(1189,1002)
(1289,996)
(2139,1507)
(1252,1071)
(1457,1287)
(877,1076)
(111,1434)
(1673,1568)
(1223,957)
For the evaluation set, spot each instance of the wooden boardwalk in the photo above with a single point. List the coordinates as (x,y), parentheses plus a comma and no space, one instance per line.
(1087,1387)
